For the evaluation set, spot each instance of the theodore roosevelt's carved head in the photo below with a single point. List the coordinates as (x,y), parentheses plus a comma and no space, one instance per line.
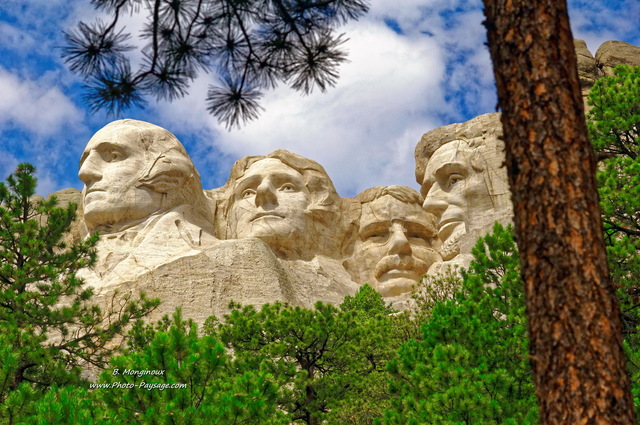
(394,245)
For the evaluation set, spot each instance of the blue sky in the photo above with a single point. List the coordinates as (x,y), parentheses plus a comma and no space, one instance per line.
(414,65)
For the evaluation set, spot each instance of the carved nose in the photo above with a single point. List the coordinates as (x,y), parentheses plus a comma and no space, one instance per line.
(436,201)
(399,244)
(90,170)
(265,195)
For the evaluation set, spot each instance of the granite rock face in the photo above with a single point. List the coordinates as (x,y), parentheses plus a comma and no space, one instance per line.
(271,234)
(613,53)
(395,243)
(278,230)
(588,70)
(143,194)
(65,197)
(609,55)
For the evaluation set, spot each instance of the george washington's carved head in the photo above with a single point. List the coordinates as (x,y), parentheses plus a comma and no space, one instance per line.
(133,169)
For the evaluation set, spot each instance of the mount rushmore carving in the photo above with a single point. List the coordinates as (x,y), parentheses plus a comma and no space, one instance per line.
(278,230)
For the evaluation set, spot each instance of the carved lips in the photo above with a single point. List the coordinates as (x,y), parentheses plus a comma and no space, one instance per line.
(447,226)
(395,266)
(266,215)
(92,190)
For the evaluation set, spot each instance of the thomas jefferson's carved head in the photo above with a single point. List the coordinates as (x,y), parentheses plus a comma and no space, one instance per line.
(282,198)
(132,170)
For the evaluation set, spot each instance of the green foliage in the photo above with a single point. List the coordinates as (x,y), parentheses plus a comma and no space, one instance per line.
(430,291)
(215,388)
(471,366)
(367,396)
(48,328)
(307,350)
(614,128)
(329,362)
(366,301)
(70,406)
(252,44)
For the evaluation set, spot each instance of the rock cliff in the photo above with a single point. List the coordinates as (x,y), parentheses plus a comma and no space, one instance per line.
(278,230)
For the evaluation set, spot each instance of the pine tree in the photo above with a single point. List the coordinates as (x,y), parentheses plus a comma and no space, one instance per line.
(614,129)
(70,405)
(367,395)
(573,314)
(197,382)
(327,360)
(367,301)
(251,44)
(471,365)
(48,327)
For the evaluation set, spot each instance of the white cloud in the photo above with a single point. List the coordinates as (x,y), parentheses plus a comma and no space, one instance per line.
(39,107)
(363,131)
(13,37)
(597,22)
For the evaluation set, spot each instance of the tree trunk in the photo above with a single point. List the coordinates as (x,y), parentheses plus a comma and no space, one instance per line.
(573,316)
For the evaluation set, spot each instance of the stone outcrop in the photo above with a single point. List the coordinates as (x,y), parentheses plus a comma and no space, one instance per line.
(278,230)
(588,70)
(143,194)
(203,282)
(271,234)
(613,53)
(64,198)
(609,55)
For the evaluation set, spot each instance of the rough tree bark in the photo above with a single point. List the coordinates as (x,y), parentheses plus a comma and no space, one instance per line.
(574,325)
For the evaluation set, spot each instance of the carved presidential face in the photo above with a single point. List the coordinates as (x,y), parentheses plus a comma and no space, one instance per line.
(110,167)
(270,203)
(394,246)
(455,192)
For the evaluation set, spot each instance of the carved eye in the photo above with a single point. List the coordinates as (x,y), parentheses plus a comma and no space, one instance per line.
(287,187)
(115,156)
(455,178)
(380,234)
(248,193)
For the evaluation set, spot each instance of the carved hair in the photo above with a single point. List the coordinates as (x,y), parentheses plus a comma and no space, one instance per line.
(401,193)
(482,133)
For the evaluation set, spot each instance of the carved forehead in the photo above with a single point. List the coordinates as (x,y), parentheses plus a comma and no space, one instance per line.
(137,135)
(387,208)
(402,193)
(268,166)
(456,151)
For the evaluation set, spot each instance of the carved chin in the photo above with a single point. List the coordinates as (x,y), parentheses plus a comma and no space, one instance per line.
(395,287)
